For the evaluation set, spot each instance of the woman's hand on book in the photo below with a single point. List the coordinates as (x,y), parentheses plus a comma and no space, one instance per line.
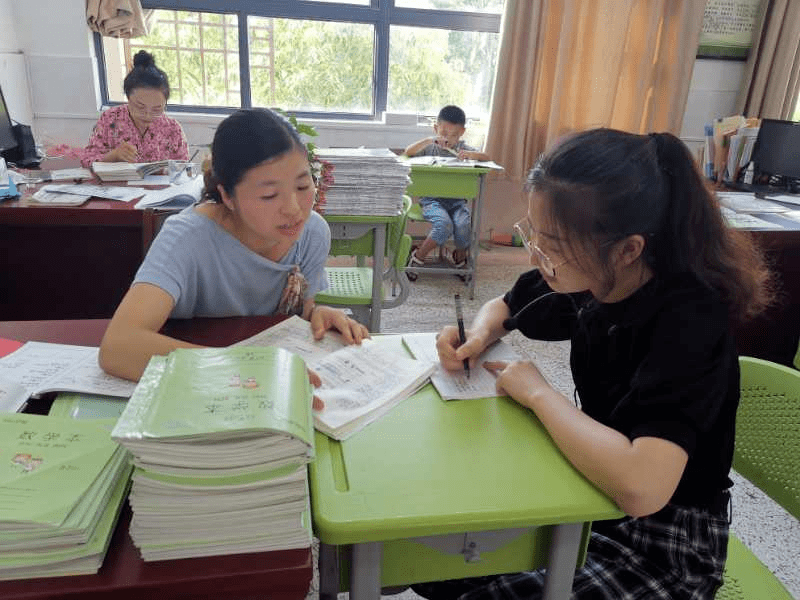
(452,352)
(125,152)
(316,401)
(324,318)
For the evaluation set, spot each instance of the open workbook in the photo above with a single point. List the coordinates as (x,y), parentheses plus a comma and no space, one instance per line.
(39,367)
(361,383)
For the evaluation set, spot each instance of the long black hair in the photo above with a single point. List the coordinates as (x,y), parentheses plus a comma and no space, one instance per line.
(145,74)
(604,185)
(243,140)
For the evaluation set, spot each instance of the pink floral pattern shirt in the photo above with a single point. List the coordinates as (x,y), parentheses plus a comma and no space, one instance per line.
(164,138)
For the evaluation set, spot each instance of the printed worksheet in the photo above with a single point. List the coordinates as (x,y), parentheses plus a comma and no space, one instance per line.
(294,334)
(41,367)
(455,385)
(12,396)
(362,383)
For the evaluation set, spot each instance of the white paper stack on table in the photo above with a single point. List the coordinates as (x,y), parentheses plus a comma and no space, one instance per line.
(62,483)
(220,441)
(367,181)
(124,171)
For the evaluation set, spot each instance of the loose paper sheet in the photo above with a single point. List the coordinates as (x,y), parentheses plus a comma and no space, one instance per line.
(455,385)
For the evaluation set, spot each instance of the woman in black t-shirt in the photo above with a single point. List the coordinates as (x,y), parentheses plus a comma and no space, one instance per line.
(637,268)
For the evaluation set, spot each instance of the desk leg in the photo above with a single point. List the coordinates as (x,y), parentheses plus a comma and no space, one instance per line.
(378,254)
(562,558)
(328,572)
(474,246)
(365,571)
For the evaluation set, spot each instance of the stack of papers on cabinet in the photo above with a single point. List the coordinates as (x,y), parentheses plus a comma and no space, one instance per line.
(62,483)
(220,439)
(367,181)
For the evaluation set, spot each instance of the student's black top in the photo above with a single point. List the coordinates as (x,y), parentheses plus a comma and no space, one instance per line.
(661,363)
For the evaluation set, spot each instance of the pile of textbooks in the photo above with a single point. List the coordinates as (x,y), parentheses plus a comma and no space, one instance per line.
(124,171)
(62,485)
(220,453)
(366,181)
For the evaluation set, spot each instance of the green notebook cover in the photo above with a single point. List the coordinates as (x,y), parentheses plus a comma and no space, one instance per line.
(219,394)
(47,466)
(75,405)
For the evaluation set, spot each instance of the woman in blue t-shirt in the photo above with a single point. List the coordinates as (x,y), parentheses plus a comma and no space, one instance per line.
(253,247)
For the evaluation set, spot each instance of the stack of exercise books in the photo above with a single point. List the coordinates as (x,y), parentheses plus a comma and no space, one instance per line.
(62,484)
(367,181)
(220,440)
(124,171)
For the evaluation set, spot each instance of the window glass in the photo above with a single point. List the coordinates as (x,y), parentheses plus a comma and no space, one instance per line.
(483,6)
(429,68)
(311,66)
(199,52)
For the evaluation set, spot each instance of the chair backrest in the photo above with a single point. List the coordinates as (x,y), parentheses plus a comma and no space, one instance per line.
(767,450)
(398,242)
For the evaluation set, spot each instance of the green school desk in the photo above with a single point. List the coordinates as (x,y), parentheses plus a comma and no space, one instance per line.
(349,227)
(453,182)
(440,490)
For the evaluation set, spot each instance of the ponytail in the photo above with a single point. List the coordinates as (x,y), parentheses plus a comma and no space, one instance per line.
(605,185)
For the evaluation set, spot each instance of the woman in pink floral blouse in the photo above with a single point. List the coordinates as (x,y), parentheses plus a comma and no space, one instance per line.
(138,131)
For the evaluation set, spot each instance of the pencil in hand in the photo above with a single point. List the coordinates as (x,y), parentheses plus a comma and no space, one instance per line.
(461,333)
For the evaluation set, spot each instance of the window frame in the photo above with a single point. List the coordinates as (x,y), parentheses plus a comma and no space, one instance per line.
(380,13)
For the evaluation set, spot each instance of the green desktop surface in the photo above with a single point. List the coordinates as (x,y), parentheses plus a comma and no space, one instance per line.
(434,467)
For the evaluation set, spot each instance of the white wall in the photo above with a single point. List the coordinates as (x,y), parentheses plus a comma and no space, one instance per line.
(48,76)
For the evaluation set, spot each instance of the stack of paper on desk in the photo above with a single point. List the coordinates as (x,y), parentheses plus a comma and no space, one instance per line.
(174,196)
(367,181)
(220,439)
(62,483)
(124,171)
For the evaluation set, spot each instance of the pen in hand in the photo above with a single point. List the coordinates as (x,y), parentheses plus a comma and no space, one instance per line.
(461,334)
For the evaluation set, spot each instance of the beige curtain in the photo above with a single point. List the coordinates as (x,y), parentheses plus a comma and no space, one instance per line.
(772,75)
(117,18)
(566,65)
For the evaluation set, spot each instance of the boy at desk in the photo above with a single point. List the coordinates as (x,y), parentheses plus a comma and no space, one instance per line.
(447,216)
(253,247)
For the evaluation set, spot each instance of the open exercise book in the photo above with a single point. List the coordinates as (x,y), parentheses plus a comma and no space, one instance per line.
(39,367)
(360,383)
(455,385)
(450,161)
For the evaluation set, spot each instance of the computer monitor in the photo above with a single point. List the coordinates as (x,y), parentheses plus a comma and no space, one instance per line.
(776,153)
(8,141)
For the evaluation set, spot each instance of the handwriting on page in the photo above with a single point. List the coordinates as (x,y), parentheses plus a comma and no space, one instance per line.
(455,385)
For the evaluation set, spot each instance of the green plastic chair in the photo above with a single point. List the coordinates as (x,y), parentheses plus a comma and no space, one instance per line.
(767,453)
(351,287)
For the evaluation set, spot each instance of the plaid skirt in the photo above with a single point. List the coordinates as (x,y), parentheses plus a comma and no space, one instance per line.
(676,553)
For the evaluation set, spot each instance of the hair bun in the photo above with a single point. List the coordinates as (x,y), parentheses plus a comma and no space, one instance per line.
(144,59)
